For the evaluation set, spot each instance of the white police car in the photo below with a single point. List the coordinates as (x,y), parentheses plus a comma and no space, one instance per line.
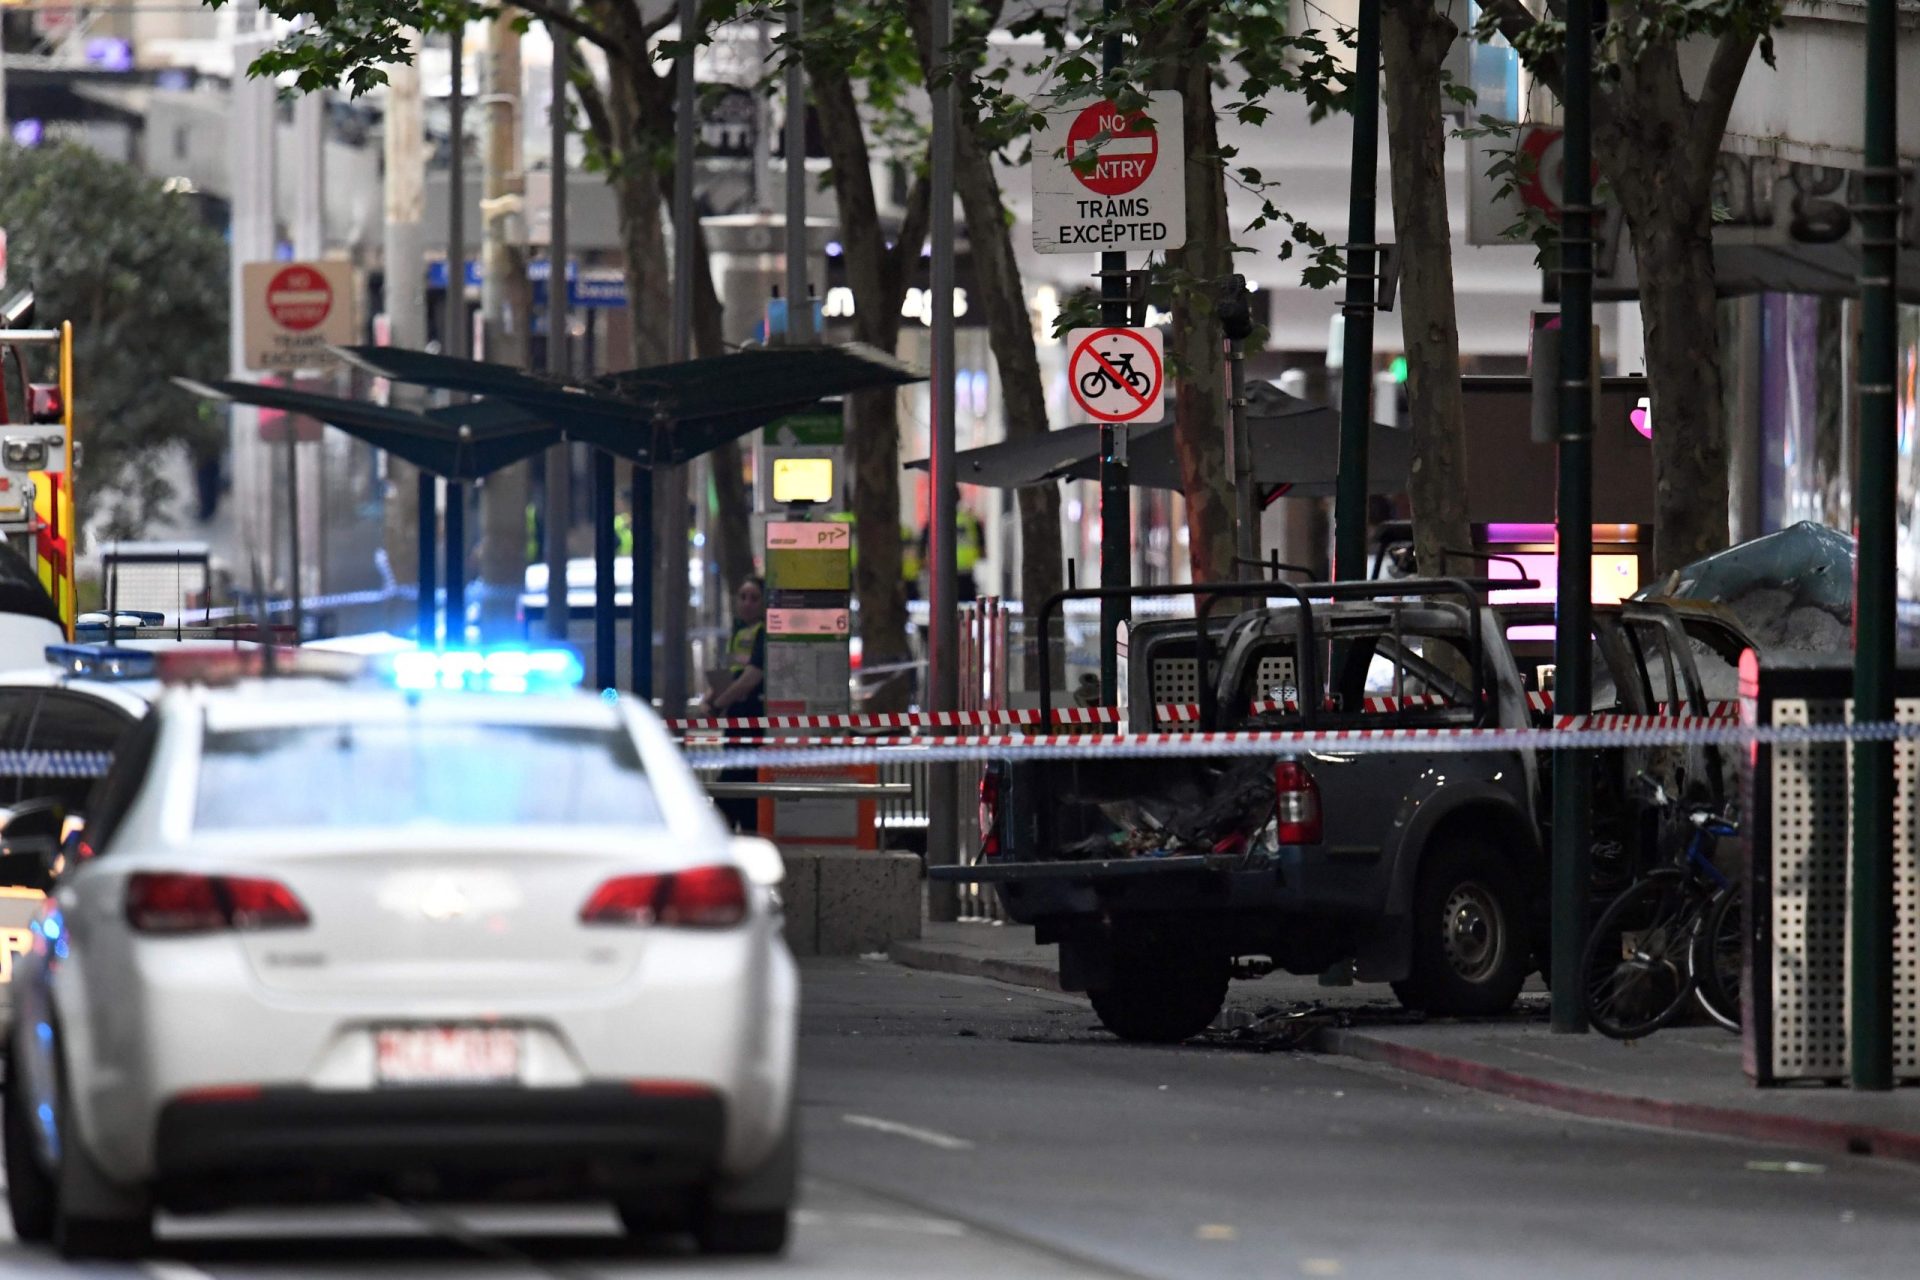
(321,939)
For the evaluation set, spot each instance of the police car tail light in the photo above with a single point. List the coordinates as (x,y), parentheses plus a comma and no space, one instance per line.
(179,902)
(1296,804)
(702,898)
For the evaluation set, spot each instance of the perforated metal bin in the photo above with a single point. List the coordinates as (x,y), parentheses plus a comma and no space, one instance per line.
(1797,828)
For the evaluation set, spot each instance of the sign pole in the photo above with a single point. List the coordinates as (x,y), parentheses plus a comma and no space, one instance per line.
(1116,534)
(293,514)
(1573,610)
(943,627)
(1350,497)
(1871,1026)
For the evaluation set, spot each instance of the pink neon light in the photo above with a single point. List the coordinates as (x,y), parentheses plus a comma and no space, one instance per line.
(1519,533)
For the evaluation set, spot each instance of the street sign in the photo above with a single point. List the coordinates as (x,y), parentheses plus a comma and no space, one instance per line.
(1116,375)
(1107,181)
(295,312)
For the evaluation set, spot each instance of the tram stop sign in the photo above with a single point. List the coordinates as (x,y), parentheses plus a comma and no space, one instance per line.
(1116,375)
(1108,181)
(296,312)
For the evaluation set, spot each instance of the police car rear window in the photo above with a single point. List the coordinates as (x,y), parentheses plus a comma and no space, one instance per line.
(421,774)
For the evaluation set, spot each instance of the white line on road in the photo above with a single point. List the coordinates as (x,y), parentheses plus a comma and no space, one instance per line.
(160,1270)
(880,1222)
(932,1137)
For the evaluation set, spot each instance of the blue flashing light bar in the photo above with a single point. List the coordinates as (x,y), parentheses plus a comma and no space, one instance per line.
(486,670)
(102,662)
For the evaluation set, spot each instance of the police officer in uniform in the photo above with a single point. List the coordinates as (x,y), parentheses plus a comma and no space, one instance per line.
(743,692)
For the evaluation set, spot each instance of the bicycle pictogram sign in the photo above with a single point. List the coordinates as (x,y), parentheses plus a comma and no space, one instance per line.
(1116,375)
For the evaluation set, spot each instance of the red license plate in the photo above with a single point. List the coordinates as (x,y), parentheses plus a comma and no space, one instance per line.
(447,1055)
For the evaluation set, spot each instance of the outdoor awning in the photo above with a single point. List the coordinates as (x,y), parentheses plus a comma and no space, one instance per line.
(460,442)
(660,416)
(667,414)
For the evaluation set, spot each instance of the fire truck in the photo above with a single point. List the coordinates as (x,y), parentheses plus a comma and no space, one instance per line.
(36,450)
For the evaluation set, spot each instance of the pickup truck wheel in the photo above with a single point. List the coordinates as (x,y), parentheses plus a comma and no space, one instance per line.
(1162,996)
(1470,952)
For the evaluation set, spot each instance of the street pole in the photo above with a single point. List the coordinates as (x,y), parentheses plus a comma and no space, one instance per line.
(506,305)
(454,324)
(943,620)
(1573,609)
(309,236)
(559,494)
(405,167)
(250,162)
(1356,358)
(672,493)
(1870,997)
(1116,490)
(799,302)
(1236,322)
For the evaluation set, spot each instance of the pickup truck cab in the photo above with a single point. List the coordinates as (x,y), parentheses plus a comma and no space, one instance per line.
(1162,875)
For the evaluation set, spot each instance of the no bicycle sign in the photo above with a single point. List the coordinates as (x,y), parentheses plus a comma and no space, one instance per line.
(1116,375)
(1106,180)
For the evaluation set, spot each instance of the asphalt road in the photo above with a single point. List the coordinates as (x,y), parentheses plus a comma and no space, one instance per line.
(960,1128)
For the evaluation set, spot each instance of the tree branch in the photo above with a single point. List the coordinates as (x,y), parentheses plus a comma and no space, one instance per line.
(914,223)
(568,21)
(1731,54)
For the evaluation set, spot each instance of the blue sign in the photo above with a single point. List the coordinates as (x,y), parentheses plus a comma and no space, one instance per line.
(601,288)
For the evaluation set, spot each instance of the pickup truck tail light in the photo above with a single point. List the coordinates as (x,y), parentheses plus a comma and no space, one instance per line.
(177,902)
(699,898)
(989,813)
(1296,804)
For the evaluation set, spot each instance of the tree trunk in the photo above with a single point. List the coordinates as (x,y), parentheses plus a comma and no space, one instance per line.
(1002,295)
(644,262)
(733,526)
(1199,422)
(877,275)
(1023,397)
(1669,211)
(1677,300)
(1414,38)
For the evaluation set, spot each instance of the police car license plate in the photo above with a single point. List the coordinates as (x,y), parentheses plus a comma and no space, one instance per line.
(446,1055)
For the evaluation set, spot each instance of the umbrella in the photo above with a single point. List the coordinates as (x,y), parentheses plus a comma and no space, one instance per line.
(460,442)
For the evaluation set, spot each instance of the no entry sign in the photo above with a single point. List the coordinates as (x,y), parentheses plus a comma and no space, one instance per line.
(1116,375)
(1106,180)
(295,312)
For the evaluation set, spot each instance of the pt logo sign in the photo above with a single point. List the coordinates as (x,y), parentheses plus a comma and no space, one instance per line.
(1106,180)
(1116,375)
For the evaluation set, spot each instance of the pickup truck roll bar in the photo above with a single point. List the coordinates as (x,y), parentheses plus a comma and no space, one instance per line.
(1238,590)
(1373,589)
(1471,590)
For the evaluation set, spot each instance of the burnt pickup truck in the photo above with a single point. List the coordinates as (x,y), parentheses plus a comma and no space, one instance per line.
(1163,876)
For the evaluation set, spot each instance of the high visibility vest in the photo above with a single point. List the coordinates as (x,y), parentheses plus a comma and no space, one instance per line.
(623,534)
(740,647)
(966,549)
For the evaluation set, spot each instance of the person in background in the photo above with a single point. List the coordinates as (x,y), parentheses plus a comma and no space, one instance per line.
(969,544)
(740,689)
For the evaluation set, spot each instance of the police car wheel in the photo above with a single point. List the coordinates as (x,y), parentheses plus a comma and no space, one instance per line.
(30,1191)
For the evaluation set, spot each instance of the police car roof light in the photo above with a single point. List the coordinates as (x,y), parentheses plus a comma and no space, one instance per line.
(485,670)
(102,662)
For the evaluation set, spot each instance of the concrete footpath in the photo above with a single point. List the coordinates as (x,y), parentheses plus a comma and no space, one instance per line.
(1686,1078)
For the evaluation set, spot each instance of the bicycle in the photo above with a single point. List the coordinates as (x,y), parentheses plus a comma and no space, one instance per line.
(1673,934)
(1095,381)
